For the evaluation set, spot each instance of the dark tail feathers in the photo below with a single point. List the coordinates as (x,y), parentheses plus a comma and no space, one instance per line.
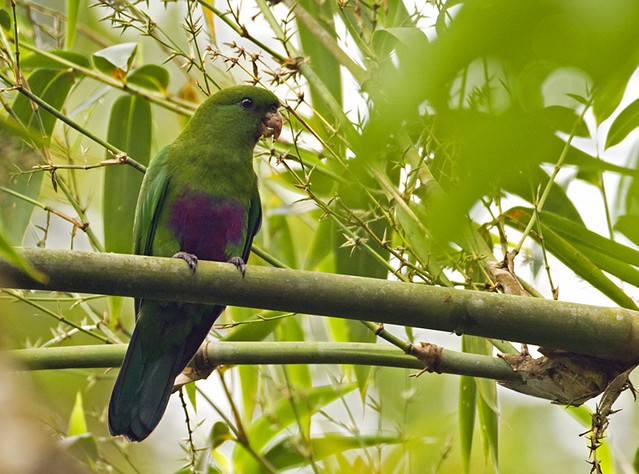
(142,390)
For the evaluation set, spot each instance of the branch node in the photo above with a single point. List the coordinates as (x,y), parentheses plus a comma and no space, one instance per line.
(198,369)
(429,354)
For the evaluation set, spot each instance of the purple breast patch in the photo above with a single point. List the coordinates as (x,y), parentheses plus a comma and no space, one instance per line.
(206,226)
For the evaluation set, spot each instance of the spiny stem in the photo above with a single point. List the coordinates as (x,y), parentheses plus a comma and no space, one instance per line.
(174,104)
(379,330)
(119,154)
(44,207)
(241,31)
(95,242)
(55,167)
(241,433)
(329,43)
(17,71)
(187,420)
(16,294)
(544,196)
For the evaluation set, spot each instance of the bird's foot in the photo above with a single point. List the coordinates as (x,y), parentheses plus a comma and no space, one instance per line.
(189,258)
(239,263)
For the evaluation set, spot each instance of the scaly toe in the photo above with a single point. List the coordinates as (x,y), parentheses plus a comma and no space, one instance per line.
(189,258)
(239,263)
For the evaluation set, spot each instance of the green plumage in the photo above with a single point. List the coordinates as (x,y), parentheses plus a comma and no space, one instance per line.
(199,197)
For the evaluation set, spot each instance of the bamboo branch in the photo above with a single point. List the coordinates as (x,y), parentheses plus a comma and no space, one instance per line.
(609,333)
(265,353)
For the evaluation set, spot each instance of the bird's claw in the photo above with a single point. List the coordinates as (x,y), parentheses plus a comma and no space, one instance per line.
(189,258)
(239,263)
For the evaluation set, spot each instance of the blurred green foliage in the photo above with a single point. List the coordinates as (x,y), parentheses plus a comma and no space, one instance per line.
(424,141)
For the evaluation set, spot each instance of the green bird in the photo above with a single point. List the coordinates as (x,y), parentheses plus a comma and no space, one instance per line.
(198,200)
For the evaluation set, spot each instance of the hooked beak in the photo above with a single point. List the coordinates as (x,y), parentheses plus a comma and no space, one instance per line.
(272,124)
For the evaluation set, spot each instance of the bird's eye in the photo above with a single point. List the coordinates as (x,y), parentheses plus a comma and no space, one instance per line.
(246,103)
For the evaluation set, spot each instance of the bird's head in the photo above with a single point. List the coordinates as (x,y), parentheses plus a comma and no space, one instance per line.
(240,112)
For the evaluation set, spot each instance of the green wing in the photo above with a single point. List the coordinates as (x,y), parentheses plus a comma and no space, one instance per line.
(254,222)
(150,201)
(152,194)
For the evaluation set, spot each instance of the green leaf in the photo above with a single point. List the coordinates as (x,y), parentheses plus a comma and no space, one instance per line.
(286,454)
(83,447)
(628,225)
(489,419)
(487,403)
(608,95)
(577,232)
(325,65)
(130,129)
(53,87)
(626,122)
(9,254)
(573,258)
(73,7)
(150,76)
(37,60)
(298,376)
(622,270)
(220,433)
(77,421)
(5,19)
(414,224)
(386,40)
(115,61)
(260,327)
(249,381)
(467,410)
(271,424)
(585,268)
(321,246)
(281,237)
(191,392)
(564,118)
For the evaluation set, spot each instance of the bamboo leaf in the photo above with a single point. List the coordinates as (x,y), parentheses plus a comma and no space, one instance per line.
(489,420)
(9,254)
(563,118)
(576,261)
(257,327)
(130,129)
(628,225)
(77,421)
(579,233)
(271,424)
(5,19)
(487,403)
(150,76)
(626,122)
(53,87)
(115,61)
(298,376)
(249,381)
(286,454)
(83,447)
(191,394)
(36,60)
(73,7)
(608,96)
(610,256)
(467,410)
(321,246)
(220,433)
